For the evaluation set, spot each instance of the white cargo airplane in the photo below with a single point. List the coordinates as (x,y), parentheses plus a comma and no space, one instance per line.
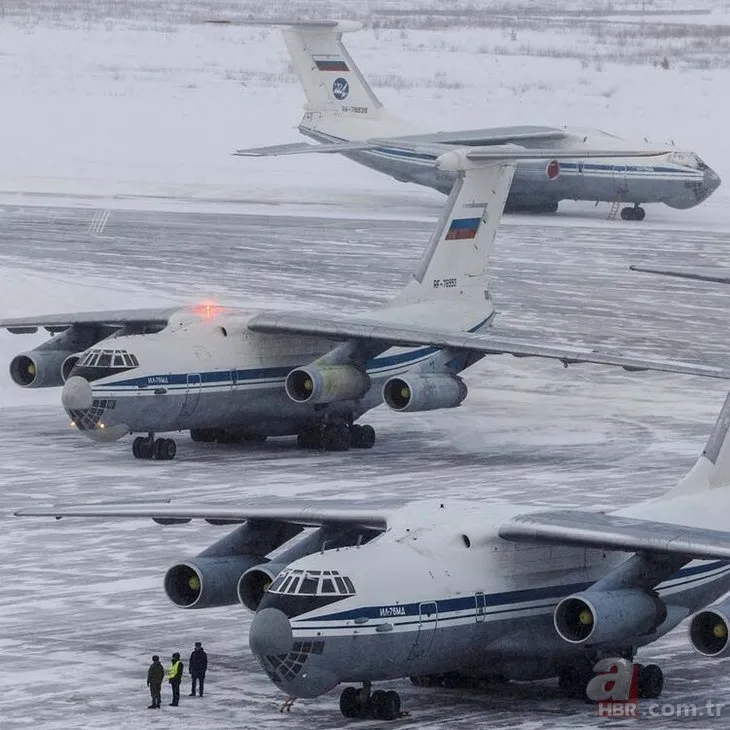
(228,374)
(345,115)
(453,592)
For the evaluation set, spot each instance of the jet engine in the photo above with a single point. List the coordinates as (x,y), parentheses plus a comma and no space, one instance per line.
(326,383)
(604,617)
(38,368)
(708,630)
(69,364)
(210,579)
(207,582)
(424,392)
(46,366)
(255,581)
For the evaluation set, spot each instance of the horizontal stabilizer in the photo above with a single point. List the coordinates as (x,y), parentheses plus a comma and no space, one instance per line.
(611,532)
(299,148)
(338,26)
(699,273)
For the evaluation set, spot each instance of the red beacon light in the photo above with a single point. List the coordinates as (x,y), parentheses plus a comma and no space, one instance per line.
(208,310)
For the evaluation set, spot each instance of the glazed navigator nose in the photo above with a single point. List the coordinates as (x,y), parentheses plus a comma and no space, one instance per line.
(711,181)
(270,633)
(76,394)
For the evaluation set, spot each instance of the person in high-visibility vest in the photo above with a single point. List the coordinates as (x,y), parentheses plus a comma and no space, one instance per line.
(174,676)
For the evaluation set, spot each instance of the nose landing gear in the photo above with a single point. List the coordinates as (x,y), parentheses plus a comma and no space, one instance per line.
(380,705)
(147,447)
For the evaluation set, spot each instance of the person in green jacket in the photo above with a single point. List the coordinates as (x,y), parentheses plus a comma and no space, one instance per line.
(155,675)
(175,675)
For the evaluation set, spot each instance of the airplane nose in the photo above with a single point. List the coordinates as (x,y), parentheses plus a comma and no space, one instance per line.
(76,394)
(270,633)
(711,181)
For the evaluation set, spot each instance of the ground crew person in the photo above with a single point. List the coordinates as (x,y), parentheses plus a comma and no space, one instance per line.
(197,667)
(175,675)
(155,675)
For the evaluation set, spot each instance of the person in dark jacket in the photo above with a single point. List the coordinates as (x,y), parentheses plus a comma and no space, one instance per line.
(155,675)
(197,667)
(175,675)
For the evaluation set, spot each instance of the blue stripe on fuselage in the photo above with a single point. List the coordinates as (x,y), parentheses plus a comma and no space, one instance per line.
(224,377)
(529,595)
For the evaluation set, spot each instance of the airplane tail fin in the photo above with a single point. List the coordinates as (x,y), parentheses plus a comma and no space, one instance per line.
(712,469)
(455,264)
(340,103)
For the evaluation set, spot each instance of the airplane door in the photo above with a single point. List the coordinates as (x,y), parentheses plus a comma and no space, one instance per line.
(620,181)
(428,617)
(192,394)
(481,605)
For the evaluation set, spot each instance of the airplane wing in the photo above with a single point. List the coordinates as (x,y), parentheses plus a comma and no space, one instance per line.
(391,335)
(699,273)
(112,318)
(497,149)
(165,513)
(612,532)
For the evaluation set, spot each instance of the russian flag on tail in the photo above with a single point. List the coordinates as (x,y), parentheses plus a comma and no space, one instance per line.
(461,228)
(331,64)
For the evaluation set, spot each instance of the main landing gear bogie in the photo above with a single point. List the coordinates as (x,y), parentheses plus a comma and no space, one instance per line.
(636,213)
(147,447)
(380,705)
(573,681)
(336,437)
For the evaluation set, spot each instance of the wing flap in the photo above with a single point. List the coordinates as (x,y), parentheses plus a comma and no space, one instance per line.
(612,532)
(409,336)
(171,514)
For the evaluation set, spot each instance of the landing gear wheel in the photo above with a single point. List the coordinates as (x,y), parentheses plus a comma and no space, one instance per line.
(309,438)
(362,437)
(197,434)
(651,681)
(336,438)
(255,438)
(573,682)
(165,449)
(385,705)
(143,447)
(350,702)
(637,213)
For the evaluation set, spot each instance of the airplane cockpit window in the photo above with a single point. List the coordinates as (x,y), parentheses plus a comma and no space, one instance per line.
(312,583)
(100,363)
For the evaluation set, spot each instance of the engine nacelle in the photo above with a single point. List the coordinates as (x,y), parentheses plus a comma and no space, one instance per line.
(423,392)
(708,630)
(326,383)
(255,582)
(39,368)
(604,617)
(207,582)
(69,364)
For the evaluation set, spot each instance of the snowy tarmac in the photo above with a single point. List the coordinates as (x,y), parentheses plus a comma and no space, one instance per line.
(82,603)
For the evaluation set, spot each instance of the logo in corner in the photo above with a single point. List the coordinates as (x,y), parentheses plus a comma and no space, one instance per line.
(340,88)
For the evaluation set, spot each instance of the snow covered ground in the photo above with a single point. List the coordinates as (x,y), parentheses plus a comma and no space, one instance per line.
(129,107)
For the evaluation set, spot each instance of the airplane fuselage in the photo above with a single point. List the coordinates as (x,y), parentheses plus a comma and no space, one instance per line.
(678,179)
(212,372)
(441,592)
